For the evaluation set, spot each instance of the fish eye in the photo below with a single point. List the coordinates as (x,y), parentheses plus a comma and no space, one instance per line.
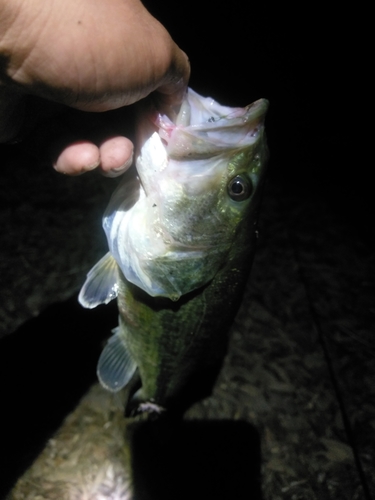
(240,188)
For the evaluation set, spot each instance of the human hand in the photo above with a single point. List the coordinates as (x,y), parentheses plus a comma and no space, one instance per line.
(90,55)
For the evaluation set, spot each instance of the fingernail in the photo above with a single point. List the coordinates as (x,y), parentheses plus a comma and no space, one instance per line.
(74,170)
(115,172)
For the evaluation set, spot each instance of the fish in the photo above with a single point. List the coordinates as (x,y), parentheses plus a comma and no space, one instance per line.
(181,232)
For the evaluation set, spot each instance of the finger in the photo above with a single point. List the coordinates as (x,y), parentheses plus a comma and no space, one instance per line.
(77,158)
(113,157)
(116,155)
(80,142)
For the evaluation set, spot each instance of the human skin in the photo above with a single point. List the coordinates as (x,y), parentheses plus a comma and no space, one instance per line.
(90,55)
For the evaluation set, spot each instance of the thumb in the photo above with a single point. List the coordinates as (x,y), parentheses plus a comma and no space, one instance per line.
(172,91)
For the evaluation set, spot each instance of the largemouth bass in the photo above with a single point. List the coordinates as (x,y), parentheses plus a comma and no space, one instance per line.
(181,236)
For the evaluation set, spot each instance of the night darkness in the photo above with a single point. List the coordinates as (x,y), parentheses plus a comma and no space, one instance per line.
(295,403)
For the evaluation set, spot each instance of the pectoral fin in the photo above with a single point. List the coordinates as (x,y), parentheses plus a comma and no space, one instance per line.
(116,366)
(100,286)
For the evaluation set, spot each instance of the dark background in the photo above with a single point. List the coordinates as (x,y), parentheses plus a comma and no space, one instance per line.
(310,62)
(304,60)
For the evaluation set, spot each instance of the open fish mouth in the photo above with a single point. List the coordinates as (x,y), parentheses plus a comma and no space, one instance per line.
(185,216)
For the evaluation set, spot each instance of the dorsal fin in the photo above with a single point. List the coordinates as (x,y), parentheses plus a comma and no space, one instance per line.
(101,284)
(116,365)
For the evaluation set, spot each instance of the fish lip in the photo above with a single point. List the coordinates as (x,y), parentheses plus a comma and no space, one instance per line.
(230,130)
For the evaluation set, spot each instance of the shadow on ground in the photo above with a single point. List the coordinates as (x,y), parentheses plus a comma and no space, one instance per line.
(195,459)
